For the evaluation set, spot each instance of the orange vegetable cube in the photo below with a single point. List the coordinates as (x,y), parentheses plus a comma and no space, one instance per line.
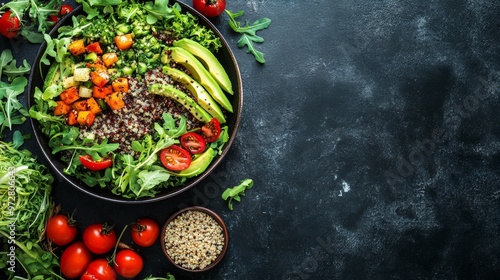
(61,108)
(120,85)
(101,92)
(115,101)
(99,78)
(80,105)
(124,42)
(98,66)
(85,118)
(109,59)
(69,95)
(77,47)
(93,106)
(95,48)
(72,118)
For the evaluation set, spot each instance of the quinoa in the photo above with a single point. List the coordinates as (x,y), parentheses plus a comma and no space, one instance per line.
(194,240)
(142,109)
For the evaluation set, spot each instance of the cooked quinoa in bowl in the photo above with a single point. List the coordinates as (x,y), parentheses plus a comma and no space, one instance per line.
(195,239)
(138,122)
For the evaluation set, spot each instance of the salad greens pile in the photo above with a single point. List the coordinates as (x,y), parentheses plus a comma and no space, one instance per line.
(25,187)
(141,175)
(11,110)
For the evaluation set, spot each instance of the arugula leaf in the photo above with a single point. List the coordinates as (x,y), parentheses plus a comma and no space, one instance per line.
(8,66)
(236,192)
(248,33)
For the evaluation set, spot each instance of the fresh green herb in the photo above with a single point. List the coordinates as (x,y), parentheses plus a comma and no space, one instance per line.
(169,277)
(11,110)
(37,13)
(237,192)
(25,187)
(248,33)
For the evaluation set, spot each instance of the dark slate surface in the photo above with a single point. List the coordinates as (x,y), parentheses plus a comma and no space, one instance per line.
(372,136)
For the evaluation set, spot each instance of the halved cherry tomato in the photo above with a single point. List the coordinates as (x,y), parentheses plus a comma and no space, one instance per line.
(54,18)
(99,269)
(210,8)
(128,263)
(175,158)
(65,9)
(145,232)
(9,25)
(93,165)
(99,238)
(211,130)
(193,142)
(60,229)
(75,259)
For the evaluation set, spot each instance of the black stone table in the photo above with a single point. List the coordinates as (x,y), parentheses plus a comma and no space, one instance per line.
(373,139)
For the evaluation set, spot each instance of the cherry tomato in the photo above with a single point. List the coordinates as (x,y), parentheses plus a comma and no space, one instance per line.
(211,130)
(65,9)
(210,8)
(61,229)
(9,25)
(193,142)
(99,270)
(75,259)
(99,238)
(93,165)
(54,18)
(175,158)
(128,263)
(145,232)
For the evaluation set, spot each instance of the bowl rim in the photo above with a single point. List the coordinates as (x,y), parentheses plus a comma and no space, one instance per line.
(173,191)
(212,214)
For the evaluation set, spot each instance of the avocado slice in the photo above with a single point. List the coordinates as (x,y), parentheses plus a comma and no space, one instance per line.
(204,99)
(169,91)
(201,75)
(199,164)
(209,61)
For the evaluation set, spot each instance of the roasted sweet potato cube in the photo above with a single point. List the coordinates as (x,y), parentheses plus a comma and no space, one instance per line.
(85,118)
(99,78)
(93,106)
(81,105)
(72,118)
(77,47)
(120,85)
(115,101)
(69,95)
(61,108)
(109,59)
(94,47)
(101,92)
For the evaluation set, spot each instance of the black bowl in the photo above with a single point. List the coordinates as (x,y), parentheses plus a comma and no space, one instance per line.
(226,58)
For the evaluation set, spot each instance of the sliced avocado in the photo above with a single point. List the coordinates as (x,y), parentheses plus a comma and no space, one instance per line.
(201,75)
(198,165)
(169,91)
(53,76)
(204,99)
(209,61)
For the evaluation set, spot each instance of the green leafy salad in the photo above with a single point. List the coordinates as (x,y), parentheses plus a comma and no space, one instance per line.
(134,100)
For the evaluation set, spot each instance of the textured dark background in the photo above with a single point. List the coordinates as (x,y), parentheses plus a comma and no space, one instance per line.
(372,136)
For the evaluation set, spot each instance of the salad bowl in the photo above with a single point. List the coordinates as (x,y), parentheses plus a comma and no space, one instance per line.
(226,59)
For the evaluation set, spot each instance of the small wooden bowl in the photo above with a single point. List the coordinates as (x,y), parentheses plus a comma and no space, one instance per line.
(210,213)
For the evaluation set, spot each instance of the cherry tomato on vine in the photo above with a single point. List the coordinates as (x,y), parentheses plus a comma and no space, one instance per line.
(210,8)
(128,263)
(61,229)
(193,142)
(94,165)
(65,9)
(211,130)
(99,238)
(9,25)
(75,259)
(145,232)
(175,158)
(99,269)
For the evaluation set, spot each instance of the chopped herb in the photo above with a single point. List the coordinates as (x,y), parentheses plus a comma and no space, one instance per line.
(236,192)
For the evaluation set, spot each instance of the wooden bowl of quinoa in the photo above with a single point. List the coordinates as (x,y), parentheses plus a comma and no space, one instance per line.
(194,239)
